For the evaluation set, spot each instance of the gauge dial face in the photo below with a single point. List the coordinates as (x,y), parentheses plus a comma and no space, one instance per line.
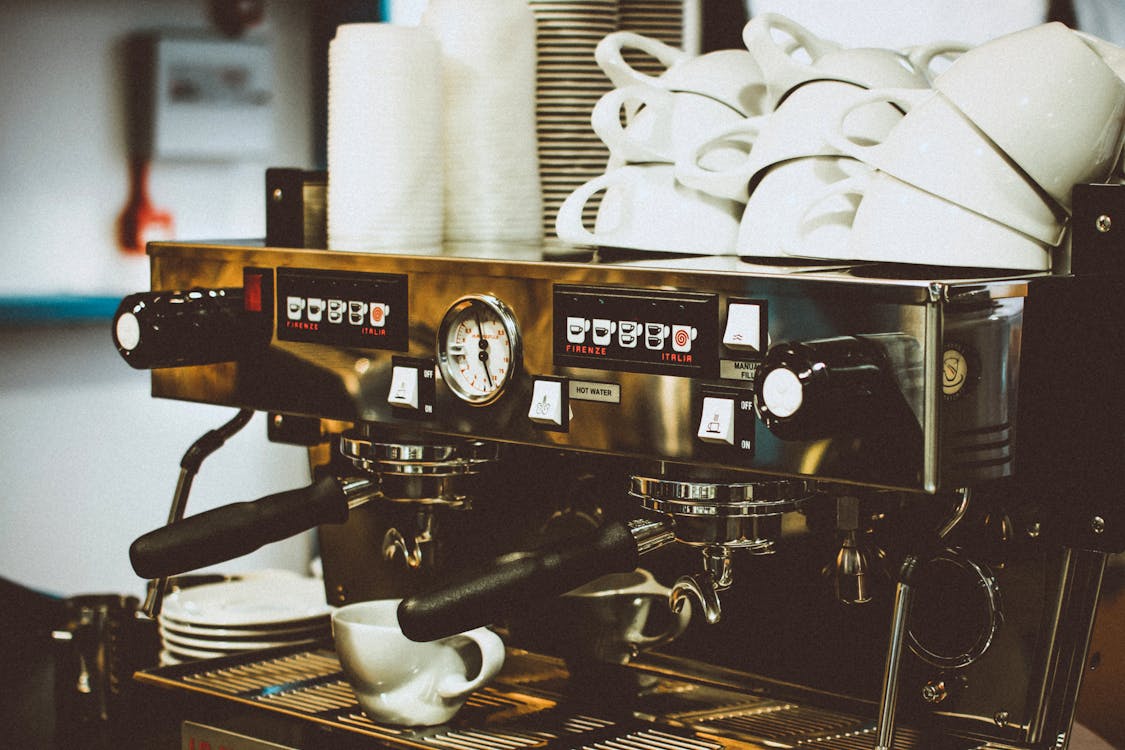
(478,348)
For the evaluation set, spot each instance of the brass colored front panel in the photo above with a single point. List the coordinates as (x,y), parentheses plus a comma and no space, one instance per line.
(652,415)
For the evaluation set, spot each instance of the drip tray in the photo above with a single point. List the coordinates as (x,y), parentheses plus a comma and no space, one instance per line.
(535,703)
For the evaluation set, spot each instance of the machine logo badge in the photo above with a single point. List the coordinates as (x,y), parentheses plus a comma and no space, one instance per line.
(958,371)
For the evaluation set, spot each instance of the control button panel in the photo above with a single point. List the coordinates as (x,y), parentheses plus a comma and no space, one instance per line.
(550,403)
(349,309)
(725,424)
(404,387)
(412,391)
(716,423)
(747,326)
(636,330)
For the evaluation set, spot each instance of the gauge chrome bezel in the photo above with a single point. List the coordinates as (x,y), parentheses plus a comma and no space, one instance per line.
(511,329)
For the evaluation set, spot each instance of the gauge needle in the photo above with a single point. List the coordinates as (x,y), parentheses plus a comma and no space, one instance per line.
(483,351)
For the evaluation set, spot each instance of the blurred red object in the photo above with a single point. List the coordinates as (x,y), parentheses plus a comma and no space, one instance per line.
(233,17)
(141,222)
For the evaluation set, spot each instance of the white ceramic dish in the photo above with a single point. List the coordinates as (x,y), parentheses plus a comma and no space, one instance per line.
(250,603)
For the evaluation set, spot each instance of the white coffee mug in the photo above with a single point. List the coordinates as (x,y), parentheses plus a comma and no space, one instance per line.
(730,76)
(794,130)
(1111,54)
(400,681)
(899,223)
(1045,98)
(780,200)
(665,124)
(935,148)
(784,69)
(646,208)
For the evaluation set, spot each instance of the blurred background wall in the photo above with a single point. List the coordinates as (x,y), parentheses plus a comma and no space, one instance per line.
(88,460)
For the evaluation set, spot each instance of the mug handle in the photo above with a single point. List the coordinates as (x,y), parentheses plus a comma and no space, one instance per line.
(857,185)
(568,222)
(923,56)
(730,183)
(836,136)
(606,121)
(491,660)
(612,62)
(678,625)
(780,69)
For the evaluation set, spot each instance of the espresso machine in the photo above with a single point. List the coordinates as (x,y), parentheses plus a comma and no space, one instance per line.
(886,493)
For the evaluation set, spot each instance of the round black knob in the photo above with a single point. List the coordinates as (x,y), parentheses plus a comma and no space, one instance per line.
(194,327)
(821,388)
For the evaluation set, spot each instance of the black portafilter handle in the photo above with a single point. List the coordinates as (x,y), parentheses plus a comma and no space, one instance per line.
(191,327)
(224,533)
(517,579)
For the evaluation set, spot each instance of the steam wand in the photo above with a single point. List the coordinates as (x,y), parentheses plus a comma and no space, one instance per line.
(904,599)
(210,442)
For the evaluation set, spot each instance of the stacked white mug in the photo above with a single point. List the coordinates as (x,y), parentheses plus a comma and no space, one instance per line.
(979,171)
(647,122)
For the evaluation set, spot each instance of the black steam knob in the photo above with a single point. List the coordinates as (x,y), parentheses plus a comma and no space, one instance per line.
(821,388)
(193,327)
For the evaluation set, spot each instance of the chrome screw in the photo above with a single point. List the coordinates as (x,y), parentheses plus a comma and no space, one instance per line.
(1034,529)
(1097,524)
(934,692)
(1001,718)
(1103,223)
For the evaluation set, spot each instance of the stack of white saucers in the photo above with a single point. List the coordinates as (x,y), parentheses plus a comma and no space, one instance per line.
(568,85)
(220,619)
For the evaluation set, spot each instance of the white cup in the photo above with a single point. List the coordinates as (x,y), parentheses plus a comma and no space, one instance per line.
(645,208)
(1111,54)
(730,76)
(400,681)
(794,130)
(1045,98)
(935,148)
(807,57)
(780,200)
(665,125)
(898,223)
(607,621)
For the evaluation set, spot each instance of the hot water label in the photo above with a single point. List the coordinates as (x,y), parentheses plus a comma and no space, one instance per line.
(636,330)
(365,310)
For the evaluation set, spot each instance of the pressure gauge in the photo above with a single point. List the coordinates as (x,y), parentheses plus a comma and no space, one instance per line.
(478,348)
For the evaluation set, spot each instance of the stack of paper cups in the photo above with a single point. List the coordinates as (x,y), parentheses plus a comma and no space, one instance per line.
(385,161)
(492,189)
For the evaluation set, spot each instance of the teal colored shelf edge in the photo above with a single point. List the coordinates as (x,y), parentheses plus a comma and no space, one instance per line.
(53,309)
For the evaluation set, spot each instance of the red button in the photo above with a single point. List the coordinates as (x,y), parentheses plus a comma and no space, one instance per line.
(252,292)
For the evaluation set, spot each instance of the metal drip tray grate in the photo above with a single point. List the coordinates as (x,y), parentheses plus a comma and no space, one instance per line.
(531,704)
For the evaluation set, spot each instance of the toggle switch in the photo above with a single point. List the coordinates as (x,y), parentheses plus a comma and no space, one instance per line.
(716,422)
(404,387)
(550,406)
(745,324)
